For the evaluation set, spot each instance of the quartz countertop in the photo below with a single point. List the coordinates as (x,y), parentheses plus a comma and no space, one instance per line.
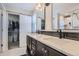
(65,46)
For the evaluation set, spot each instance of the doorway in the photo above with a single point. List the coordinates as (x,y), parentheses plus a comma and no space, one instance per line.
(13,31)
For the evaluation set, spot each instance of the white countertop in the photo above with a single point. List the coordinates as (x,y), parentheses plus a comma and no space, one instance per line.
(66,46)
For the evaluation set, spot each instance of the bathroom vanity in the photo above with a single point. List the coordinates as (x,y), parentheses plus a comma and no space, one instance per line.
(46,45)
(37,48)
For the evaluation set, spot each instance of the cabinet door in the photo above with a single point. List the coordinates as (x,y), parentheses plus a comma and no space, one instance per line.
(41,49)
(53,52)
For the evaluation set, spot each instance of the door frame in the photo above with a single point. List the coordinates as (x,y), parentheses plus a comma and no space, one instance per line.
(1,30)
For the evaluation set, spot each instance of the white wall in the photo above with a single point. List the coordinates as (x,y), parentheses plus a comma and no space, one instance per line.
(38,24)
(5,31)
(25,28)
(34,22)
(48,20)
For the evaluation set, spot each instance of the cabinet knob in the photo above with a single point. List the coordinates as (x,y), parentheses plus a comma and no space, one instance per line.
(32,52)
(43,49)
(46,53)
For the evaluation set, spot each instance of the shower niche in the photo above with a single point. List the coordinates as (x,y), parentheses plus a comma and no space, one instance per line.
(13,31)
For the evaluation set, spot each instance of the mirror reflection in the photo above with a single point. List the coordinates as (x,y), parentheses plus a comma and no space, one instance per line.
(40,19)
(69,20)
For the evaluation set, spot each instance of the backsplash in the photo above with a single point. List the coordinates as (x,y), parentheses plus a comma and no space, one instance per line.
(51,33)
(67,35)
(71,35)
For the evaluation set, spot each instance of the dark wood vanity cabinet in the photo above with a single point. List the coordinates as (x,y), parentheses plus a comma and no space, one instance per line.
(44,50)
(36,48)
(53,52)
(31,46)
(41,49)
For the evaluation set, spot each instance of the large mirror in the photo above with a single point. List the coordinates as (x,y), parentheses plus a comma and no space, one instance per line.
(69,20)
(40,19)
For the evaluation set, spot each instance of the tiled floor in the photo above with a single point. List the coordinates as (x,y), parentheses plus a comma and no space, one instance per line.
(12,45)
(14,52)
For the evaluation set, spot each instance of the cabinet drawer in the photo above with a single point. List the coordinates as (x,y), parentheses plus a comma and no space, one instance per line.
(33,50)
(34,41)
(33,47)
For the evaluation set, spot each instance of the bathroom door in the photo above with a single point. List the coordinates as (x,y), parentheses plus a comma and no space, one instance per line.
(25,28)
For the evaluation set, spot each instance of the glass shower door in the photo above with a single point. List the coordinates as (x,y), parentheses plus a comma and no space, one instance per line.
(13,31)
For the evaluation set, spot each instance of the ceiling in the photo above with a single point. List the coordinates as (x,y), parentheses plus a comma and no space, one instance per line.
(23,6)
(65,7)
